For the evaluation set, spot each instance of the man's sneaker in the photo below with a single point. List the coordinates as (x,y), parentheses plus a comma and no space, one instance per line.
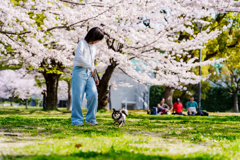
(93,123)
(78,124)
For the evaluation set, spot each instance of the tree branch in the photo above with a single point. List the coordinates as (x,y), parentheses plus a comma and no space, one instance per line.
(13,33)
(18,44)
(131,76)
(83,4)
(223,88)
(63,26)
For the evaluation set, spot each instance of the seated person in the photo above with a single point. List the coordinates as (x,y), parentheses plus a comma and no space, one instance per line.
(192,107)
(177,107)
(163,107)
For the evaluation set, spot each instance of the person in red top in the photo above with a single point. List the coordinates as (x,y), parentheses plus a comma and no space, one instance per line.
(177,107)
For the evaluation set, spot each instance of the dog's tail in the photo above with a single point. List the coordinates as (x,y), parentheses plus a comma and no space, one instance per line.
(124,111)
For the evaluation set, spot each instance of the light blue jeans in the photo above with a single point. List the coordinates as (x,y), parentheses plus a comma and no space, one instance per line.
(83,82)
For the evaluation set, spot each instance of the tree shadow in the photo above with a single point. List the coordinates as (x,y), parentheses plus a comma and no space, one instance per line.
(165,127)
(112,155)
(31,110)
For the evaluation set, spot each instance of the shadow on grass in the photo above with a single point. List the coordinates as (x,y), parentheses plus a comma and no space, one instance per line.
(112,155)
(182,127)
(179,117)
(11,111)
(197,129)
(31,110)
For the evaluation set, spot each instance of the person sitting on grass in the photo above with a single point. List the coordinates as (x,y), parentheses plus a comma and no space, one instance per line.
(163,107)
(177,107)
(192,107)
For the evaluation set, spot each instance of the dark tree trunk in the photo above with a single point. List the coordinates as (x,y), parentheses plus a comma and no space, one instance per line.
(103,86)
(52,85)
(11,101)
(168,95)
(110,102)
(69,101)
(26,104)
(235,95)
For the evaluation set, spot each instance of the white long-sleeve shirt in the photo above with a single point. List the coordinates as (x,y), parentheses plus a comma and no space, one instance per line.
(83,56)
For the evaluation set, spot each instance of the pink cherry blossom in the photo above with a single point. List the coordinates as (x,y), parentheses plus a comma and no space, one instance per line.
(17,83)
(139,26)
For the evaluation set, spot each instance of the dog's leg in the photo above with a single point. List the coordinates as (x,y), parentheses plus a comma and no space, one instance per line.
(114,123)
(120,124)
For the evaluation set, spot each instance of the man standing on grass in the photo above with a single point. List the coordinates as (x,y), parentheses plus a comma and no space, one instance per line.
(192,107)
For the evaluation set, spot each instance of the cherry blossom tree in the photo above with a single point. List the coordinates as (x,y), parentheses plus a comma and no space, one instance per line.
(45,34)
(17,84)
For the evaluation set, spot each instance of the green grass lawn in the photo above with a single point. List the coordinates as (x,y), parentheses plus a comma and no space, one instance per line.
(37,134)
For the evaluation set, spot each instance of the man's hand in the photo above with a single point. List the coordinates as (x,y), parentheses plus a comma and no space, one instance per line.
(92,73)
(97,82)
(189,111)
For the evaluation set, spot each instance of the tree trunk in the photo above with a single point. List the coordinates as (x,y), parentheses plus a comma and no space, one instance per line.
(26,104)
(110,102)
(236,109)
(103,86)
(52,85)
(11,101)
(168,95)
(69,101)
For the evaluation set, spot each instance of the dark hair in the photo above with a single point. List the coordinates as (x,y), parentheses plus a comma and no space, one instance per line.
(161,99)
(178,100)
(95,34)
(192,97)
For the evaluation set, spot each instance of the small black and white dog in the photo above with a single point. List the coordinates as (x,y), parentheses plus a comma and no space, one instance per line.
(119,116)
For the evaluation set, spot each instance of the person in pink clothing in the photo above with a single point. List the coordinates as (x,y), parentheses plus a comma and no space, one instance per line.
(162,107)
